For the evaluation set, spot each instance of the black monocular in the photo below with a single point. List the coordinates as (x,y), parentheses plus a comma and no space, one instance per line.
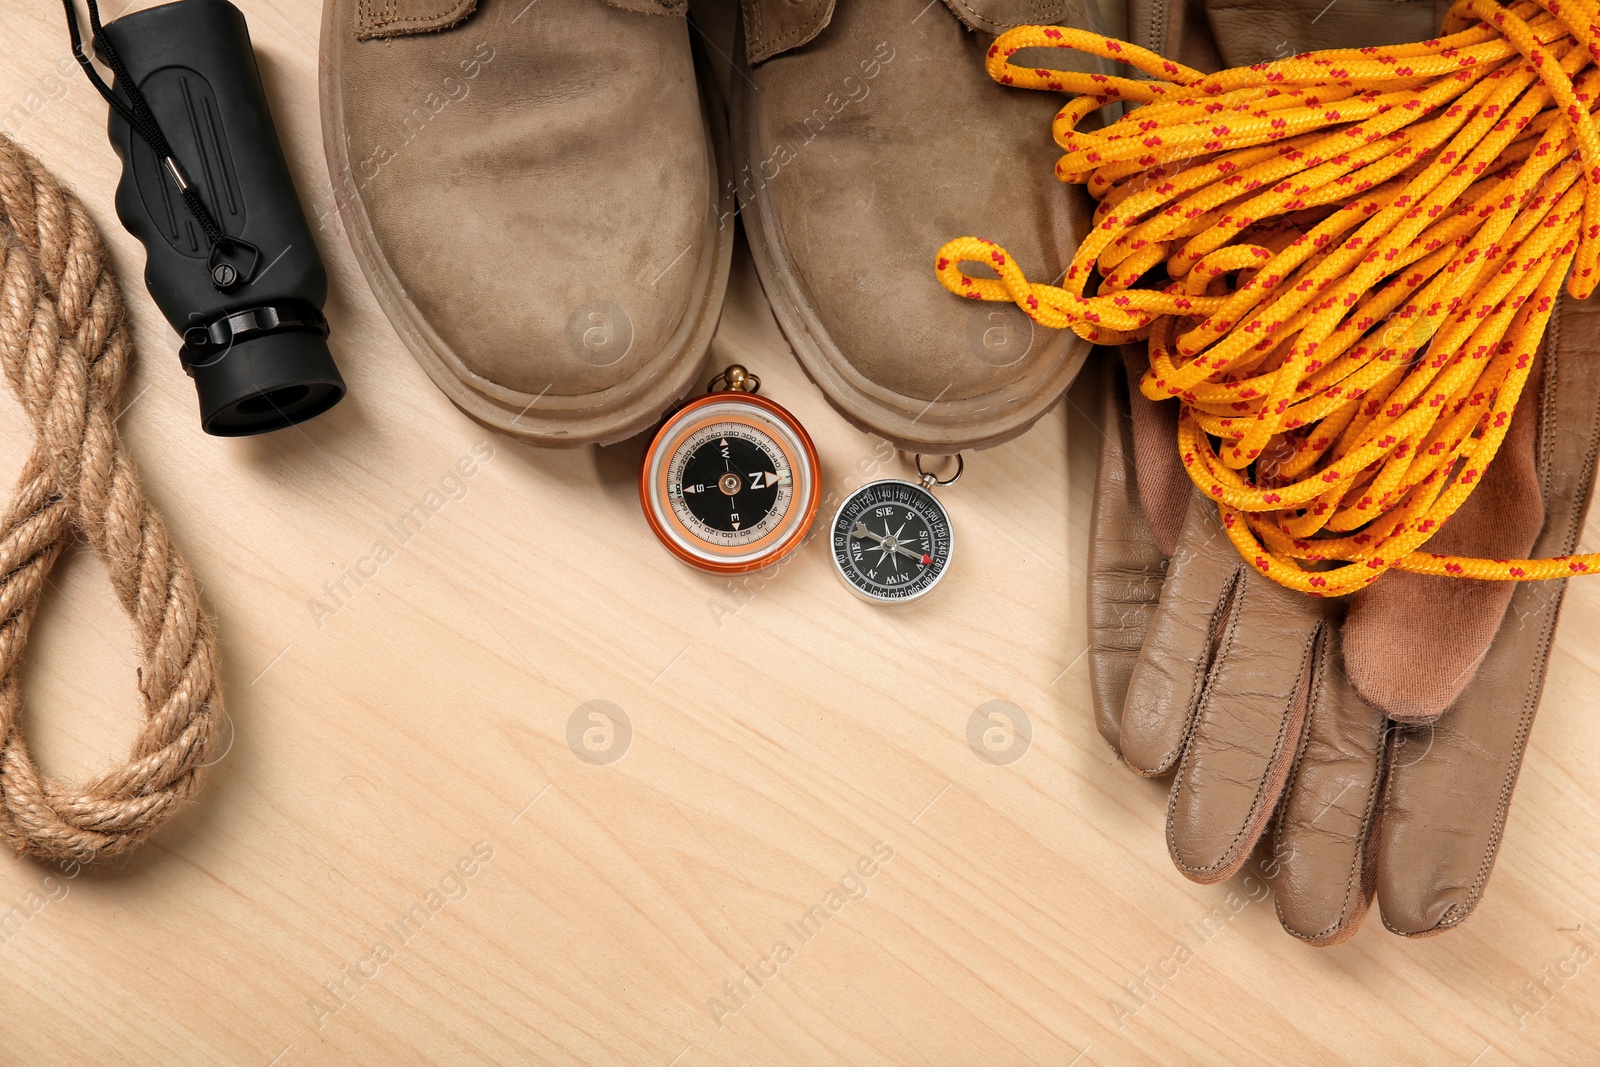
(205,188)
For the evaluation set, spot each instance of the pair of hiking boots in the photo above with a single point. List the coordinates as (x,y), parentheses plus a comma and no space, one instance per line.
(544,194)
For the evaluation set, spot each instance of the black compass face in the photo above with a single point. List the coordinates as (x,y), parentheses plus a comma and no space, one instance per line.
(891,541)
(730,483)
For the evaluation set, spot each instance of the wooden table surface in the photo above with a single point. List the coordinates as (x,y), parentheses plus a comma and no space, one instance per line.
(411,852)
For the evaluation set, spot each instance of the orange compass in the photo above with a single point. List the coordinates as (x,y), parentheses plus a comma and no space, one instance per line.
(730,484)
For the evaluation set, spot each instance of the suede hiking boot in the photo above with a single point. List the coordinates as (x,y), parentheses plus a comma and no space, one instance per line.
(866,135)
(537,192)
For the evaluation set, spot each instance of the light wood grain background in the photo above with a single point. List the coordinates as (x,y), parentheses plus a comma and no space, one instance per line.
(782,734)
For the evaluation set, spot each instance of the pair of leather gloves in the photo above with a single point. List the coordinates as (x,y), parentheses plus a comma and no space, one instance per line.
(1361,746)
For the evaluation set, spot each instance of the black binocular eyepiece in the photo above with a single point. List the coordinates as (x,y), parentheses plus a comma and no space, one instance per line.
(230,258)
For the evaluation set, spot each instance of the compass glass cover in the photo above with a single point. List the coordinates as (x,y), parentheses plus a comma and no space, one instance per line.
(731,485)
(891,541)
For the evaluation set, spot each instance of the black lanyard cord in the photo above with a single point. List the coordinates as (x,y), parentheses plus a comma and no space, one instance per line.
(135,111)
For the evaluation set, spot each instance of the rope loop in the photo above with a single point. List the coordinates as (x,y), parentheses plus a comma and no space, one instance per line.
(1343,263)
(65,351)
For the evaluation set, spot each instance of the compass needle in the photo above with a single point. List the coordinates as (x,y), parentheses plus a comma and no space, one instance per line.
(913,523)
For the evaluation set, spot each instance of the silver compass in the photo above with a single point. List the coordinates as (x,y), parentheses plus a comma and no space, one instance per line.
(892,538)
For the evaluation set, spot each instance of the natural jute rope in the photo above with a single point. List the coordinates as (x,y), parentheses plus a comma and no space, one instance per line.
(65,347)
(1344,263)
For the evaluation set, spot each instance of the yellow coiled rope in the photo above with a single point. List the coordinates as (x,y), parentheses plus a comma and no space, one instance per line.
(1344,263)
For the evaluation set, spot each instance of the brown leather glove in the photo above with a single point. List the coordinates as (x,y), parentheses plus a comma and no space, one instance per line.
(1243,687)
(1201,666)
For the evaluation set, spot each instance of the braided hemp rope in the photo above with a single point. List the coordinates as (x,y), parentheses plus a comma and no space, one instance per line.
(65,349)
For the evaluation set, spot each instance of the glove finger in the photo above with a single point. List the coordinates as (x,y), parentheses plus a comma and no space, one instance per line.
(1169,678)
(1450,782)
(1323,867)
(1126,567)
(1247,728)
(1162,482)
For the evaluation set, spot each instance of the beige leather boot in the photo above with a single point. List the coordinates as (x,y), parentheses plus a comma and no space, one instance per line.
(537,193)
(868,135)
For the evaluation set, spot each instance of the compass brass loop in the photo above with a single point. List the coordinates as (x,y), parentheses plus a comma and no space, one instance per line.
(735,379)
(930,479)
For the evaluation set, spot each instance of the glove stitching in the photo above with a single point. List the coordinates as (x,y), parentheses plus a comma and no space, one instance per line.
(1288,791)
(1158,28)
(1230,855)
(1459,913)
(1197,695)
(1363,871)
(1575,520)
(664,8)
(1545,445)
(1353,886)
(1283,808)
(1530,706)
(1203,674)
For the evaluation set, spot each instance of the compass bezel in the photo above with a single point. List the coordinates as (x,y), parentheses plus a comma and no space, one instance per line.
(949,553)
(775,422)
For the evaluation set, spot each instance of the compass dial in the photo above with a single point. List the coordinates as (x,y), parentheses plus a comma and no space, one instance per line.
(730,483)
(891,541)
